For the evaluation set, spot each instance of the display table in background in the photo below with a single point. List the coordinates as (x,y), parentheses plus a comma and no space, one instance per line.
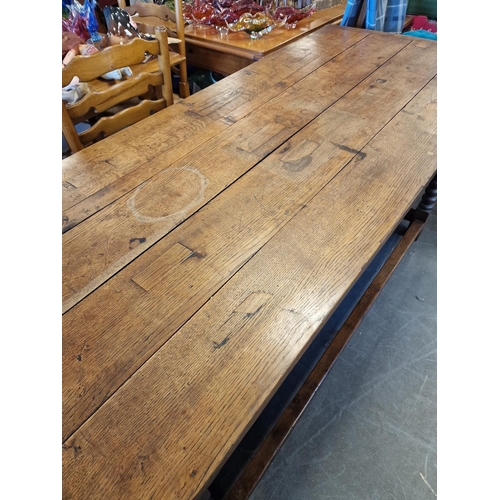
(225,54)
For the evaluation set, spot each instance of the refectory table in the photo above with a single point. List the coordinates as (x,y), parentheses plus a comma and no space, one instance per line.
(206,246)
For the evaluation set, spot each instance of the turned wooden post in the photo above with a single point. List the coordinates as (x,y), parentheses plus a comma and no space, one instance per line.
(429,197)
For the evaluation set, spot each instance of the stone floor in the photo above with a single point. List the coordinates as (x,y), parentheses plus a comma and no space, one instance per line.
(370,431)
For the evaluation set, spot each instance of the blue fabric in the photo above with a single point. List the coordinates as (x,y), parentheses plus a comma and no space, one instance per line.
(381,15)
(395,16)
(421,34)
(375,14)
(351,12)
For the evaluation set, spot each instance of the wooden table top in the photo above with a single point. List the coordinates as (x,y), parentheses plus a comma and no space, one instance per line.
(205,247)
(241,44)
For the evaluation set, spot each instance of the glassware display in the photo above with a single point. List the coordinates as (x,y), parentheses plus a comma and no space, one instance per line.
(251,16)
(199,12)
(240,7)
(74,19)
(92,24)
(217,12)
(221,20)
(292,15)
(255,25)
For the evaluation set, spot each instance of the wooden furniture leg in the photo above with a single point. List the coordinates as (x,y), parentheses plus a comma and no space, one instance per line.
(429,197)
(69,132)
(163,59)
(426,204)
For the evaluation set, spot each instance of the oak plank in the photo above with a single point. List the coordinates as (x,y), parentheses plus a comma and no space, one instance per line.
(195,120)
(185,186)
(260,461)
(168,430)
(101,165)
(118,336)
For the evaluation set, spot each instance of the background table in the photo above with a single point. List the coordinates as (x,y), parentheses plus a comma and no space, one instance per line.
(205,247)
(225,54)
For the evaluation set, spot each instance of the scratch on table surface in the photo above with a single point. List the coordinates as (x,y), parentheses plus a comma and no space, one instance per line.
(264,209)
(428,485)
(375,382)
(298,449)
(410,412)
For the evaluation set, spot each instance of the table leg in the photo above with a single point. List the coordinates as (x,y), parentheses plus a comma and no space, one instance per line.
(205,495)
(426,204)
(429,197)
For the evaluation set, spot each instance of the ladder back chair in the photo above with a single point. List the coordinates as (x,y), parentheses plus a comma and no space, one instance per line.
(146,91)
(148,16)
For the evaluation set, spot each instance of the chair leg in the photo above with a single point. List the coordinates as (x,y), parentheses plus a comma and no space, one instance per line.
(183,76)
(164,61)
(183,84)
(69,131)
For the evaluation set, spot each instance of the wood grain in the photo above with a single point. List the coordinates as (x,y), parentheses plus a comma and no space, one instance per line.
(272,126)
(117,57)
(119,337)
(93,179)
(187,407)
(262,458)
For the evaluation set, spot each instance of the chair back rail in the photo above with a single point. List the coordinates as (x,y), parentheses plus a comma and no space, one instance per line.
(111,124)
(149,16)
(114,57)
(148,10)
(121,91)
(150,84)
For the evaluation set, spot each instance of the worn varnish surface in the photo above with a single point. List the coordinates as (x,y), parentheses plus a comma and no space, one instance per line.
(239,149)
(205,247)
(191,123)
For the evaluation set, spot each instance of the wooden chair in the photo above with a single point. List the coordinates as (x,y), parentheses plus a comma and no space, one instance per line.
(149,16)
(146,91)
